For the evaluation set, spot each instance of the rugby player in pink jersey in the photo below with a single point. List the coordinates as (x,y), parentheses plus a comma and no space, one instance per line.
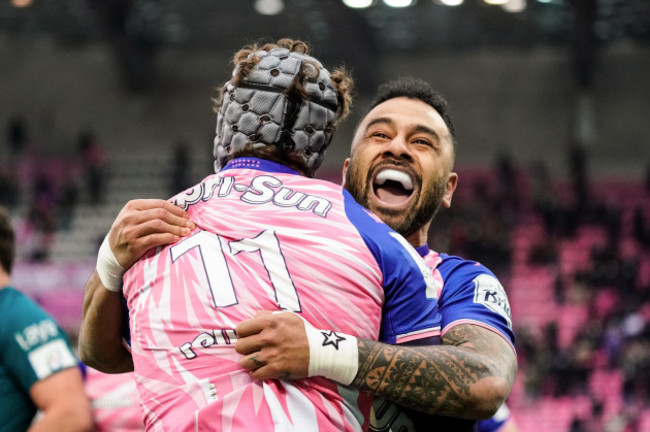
(265,236)
(114,401)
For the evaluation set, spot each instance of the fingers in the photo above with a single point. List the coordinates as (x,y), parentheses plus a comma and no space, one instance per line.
(138,212)
(261,366)
(252,361)
(147,242)
(147,227)
(249,337)
(276,363)
(250,344)
(147,223)
(273,345)
(266,371)
(144,204)
(253,325)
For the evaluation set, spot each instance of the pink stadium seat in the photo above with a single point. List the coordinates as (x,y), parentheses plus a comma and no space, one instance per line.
(572,317)
(592,236)
(607,386)
(644,420)
(605,302)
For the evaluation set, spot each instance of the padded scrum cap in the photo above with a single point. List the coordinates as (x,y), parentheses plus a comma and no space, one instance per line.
(264,110)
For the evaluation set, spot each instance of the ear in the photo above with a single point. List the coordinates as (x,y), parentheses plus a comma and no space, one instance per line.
(452,181)
(346,164)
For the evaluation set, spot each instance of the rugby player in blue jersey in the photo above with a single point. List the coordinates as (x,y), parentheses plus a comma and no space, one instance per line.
(400,167)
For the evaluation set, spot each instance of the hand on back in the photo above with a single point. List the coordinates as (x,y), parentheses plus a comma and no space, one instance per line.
(146,223)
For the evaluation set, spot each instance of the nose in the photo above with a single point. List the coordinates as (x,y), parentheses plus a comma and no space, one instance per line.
(398,147)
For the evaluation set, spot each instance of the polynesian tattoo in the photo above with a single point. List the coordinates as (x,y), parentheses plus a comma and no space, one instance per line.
(435,379)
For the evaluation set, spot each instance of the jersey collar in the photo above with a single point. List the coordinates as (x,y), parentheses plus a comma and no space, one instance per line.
(259,164)
(423,250)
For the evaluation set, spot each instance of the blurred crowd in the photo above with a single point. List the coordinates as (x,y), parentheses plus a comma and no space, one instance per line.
(513,219)
(48,187)
(519,220)
(42,189)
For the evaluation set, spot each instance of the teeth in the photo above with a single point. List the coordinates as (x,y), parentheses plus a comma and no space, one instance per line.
(396,176)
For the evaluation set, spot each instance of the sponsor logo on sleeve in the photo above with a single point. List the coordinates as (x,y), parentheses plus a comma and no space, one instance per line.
(36,334)
(51,358)
(489,292)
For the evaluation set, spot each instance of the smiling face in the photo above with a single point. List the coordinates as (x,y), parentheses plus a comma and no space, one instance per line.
(400,165)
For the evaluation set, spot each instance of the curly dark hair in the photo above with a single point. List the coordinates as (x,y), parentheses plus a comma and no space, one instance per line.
(244,63)
(341,79)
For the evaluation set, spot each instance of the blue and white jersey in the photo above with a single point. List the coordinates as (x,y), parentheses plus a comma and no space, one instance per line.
(468,293)
(497,422)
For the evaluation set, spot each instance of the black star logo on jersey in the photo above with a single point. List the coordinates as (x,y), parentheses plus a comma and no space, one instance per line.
(331,338)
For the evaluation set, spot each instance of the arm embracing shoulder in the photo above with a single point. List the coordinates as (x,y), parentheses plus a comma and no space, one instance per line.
(140,226)
(101,344)
(469,376)
(471,373)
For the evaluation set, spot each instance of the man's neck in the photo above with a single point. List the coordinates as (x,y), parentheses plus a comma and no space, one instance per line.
(5,280)
(420,236)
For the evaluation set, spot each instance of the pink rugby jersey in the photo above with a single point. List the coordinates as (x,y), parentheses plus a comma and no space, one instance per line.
(267,238)
(114,400)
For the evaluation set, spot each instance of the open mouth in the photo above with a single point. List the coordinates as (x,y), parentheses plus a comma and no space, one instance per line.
(392,187)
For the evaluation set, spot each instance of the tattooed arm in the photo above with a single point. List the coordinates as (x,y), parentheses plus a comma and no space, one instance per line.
(469,376)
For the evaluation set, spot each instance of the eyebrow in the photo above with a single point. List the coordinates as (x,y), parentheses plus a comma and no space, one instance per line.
(380,120)
(417,129)
(427,130)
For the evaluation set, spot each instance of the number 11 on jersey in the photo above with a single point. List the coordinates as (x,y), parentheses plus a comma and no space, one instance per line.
(212,248)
